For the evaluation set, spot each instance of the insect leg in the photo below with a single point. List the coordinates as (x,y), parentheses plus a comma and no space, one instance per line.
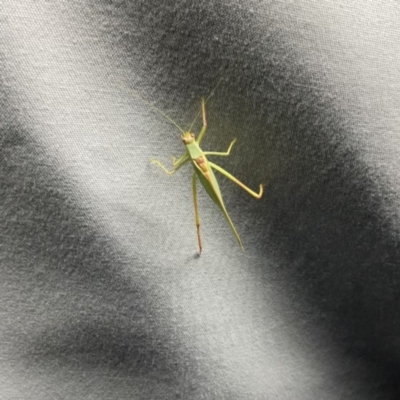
(222,154)
(178,164)
(196,210)
(232,178)
(204,128)
(176,161)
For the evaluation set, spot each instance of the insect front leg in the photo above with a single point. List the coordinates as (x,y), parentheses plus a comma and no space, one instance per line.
(204,128)
(176,161)
(222,154)
(177,164)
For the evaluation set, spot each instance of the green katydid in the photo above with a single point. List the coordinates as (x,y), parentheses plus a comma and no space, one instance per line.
(203,170)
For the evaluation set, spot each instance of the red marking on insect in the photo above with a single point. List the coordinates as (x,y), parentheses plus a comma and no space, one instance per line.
(201,162)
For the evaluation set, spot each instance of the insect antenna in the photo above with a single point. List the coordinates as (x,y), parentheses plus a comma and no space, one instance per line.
(152,106)
(198,114)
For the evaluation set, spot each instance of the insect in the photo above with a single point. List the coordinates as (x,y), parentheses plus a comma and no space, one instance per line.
(203,170)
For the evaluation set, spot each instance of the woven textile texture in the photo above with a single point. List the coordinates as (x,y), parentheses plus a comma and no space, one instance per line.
(102,293)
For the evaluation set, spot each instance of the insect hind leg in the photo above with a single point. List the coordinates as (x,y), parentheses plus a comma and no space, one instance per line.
(196,210)
(233,179)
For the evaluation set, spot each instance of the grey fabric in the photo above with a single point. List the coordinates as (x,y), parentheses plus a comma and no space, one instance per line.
(102,294)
